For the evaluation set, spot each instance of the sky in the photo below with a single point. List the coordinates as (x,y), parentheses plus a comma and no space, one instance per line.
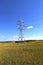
(30,11)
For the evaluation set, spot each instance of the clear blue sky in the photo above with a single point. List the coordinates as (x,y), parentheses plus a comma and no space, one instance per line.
(31,11)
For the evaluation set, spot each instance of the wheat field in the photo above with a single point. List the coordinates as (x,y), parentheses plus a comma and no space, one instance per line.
(25,53)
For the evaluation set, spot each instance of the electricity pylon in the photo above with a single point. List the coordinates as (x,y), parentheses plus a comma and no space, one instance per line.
(21,29)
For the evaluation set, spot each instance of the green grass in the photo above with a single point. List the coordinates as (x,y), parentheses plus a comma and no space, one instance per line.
(27,53)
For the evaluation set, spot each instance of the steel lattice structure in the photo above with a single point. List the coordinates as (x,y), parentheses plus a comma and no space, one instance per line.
(21,29)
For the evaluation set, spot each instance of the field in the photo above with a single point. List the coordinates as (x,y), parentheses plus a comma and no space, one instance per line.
(26,53)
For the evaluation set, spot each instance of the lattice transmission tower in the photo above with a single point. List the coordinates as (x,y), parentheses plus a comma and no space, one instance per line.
(21,30)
